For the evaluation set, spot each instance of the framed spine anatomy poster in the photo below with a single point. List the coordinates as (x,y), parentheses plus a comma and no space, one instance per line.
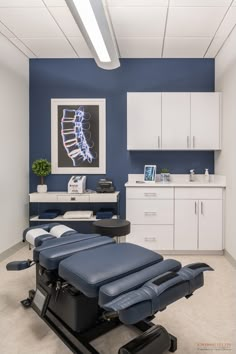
(78,136)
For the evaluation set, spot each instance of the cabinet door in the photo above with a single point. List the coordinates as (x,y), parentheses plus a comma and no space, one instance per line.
(186,225)
(143,120)
(176,121)
(205,121)
(210,225)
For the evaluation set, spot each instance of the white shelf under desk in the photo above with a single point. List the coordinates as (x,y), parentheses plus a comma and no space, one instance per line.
(61,219)
(90,198)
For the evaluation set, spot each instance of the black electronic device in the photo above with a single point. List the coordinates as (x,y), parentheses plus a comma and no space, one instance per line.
(105,186)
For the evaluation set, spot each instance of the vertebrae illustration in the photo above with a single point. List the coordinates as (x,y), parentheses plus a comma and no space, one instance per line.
(76,136)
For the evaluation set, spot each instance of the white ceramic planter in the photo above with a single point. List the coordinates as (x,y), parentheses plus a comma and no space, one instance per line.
(42,188)
(165,177)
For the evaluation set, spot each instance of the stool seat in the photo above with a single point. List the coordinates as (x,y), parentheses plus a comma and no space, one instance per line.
(112,227)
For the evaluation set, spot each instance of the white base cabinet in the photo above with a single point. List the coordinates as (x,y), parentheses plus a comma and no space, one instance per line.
(151,213)
(198,222)
(210,225)
(186,225)
(198,225)
(181,219)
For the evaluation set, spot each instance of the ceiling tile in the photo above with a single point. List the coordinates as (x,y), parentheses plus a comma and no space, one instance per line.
(226,27)
(185,47)
(22,47)
(21,3)
(214,47)
(50,47)
(121,3)
(55,3)
(140,47)
(30,22)
(201,3)
(66,21)
(5,31)
(138,21)
(80,47)
(194,21)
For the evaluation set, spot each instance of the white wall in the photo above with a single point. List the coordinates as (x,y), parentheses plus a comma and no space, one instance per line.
(225,161)
(14,143)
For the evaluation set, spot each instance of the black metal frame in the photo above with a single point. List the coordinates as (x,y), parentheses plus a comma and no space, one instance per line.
(79,343)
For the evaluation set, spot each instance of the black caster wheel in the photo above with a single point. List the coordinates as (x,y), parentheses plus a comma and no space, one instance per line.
(26,303)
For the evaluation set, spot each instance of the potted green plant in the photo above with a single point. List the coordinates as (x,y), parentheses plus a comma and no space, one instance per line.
(41,168)
(165,175)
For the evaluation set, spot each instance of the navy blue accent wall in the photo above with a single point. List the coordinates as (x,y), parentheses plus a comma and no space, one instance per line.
(81,78)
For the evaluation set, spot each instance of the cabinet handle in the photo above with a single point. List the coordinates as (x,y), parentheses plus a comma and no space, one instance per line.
(193,141)
(150,194)
(72,198)
(149,239)
(188,142)
(150,213)
(202,208)
(195,207)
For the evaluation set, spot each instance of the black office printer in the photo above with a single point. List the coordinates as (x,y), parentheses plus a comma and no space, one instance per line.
(105,186)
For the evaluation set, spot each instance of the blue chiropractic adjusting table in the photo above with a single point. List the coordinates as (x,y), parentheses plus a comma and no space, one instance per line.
(86,285)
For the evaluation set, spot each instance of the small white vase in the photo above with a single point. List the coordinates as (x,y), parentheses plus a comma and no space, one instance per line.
(42,188)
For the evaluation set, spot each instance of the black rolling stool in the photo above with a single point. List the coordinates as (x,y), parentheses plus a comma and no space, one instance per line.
(115,228)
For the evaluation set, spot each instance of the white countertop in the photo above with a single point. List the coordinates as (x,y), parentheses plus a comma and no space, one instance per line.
(136,180)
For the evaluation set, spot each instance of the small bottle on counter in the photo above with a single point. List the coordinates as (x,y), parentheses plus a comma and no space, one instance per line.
(207,176)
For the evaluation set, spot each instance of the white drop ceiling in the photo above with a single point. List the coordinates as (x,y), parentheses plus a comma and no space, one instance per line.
(142,28)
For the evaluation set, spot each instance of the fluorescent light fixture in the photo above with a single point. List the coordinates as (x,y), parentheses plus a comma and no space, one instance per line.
(93,22)
(87,16)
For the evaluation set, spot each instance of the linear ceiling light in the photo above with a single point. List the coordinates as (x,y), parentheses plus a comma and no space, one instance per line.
(93,23)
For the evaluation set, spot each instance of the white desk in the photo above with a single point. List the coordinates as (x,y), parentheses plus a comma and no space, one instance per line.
(64,197)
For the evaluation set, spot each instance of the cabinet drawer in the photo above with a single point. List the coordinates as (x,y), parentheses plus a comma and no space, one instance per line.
(103,197)
(150,211)
(154,237)
(149,193)
(198,193)
(76,198)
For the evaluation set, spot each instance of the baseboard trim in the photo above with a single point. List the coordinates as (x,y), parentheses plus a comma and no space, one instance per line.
(187,253)
(10,251)
(231,259)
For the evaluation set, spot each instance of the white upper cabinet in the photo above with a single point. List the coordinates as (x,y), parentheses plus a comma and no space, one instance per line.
(173,121)
(205,120)
(176,120)
(143,120)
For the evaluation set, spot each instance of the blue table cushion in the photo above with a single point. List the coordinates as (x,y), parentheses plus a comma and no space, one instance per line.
(51,257)
(88,271)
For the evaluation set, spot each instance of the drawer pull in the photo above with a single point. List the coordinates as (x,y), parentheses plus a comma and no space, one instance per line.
(72,198)
(150,213)
(148,194)
(149,239)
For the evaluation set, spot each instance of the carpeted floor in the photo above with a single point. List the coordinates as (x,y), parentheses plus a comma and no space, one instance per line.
(206,322)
